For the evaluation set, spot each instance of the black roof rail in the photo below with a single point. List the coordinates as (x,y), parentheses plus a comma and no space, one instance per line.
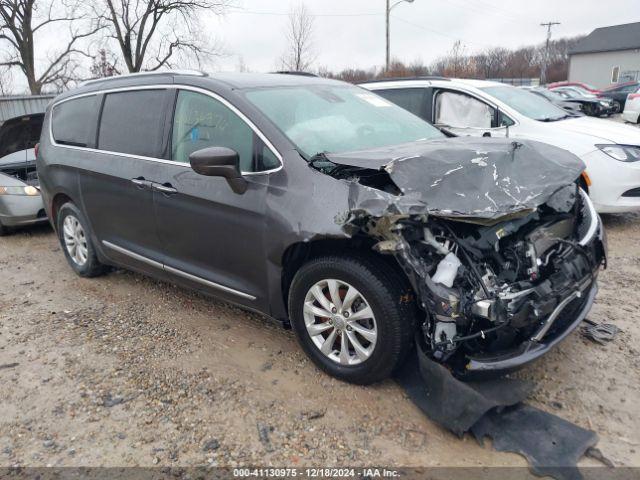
(197,73)
(396,79)
(293,72)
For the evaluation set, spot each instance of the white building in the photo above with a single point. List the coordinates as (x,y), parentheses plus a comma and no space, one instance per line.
(606,56)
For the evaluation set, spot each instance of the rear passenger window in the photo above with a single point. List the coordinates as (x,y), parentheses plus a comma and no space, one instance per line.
(73,121)
(201,121)
(411,99)
(132,122)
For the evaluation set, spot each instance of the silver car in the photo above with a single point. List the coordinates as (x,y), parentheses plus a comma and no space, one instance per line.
(20,200)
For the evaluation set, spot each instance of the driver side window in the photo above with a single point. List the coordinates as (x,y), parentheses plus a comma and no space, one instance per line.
(201,121)
(459,110)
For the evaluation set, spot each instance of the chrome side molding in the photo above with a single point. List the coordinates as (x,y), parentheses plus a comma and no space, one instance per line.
(176,271)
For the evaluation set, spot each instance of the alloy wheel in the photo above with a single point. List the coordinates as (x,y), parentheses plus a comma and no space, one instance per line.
(75,240)
(340,322)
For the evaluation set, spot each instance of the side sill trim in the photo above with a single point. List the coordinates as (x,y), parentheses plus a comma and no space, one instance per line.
(134,255)
(175,271)
(208,283)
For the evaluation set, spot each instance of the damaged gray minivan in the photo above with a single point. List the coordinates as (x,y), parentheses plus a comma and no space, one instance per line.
(324,206)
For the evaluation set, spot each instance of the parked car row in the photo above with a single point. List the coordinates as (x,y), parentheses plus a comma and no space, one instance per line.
(330,208)
(590,104)
(616,94)
(480,108)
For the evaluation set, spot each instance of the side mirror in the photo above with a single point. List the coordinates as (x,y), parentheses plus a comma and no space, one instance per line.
(219,162)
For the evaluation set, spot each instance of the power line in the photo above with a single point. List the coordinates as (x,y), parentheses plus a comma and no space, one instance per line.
(475,8)
(437,32)
(286,14)
(501,10)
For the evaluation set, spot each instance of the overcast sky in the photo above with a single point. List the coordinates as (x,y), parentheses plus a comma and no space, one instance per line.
(350,33)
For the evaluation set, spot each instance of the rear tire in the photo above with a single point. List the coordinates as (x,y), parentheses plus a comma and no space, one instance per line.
(75,240)
(617,107)
(362,282)
(3,230)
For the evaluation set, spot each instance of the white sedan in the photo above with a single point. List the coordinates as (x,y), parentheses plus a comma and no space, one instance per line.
(610,150)
(632,108)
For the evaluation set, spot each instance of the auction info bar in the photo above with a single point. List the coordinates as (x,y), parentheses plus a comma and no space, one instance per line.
(214,473)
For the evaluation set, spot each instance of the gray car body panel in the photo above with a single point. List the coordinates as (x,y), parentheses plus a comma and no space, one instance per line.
(286,207)
(467,177)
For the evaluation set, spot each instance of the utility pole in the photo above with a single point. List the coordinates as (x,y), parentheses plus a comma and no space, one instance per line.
(388,14)
(545,63)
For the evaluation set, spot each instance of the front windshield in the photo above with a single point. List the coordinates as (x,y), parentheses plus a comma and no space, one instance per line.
(337,119)
(527,103)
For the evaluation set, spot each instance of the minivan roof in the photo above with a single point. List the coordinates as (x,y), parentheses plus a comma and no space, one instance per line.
(216,81)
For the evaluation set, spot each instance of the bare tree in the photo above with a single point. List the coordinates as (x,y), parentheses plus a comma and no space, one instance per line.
(241,65)
(299,55)
(491,63)
(6,82)
(104,65)
(21,21)
(152,34)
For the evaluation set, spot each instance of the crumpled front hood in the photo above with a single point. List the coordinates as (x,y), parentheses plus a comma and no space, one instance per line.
(464,177)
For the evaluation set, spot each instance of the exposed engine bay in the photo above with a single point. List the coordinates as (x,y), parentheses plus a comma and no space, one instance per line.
(18,137)
(26,172)
(504,270)
(487,288)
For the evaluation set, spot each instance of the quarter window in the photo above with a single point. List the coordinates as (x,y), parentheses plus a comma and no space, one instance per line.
(73,121)
(132,122)
(201,121)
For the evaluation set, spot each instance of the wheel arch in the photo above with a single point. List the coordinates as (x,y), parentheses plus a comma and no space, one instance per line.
(58,200)
(299,253)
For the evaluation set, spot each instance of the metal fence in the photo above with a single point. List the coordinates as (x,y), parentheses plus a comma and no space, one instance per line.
(15,106)
(518,82)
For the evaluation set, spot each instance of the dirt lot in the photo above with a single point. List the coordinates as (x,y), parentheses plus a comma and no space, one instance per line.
(122,370)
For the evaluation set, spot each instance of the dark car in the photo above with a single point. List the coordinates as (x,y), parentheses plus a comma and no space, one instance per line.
(325,206)
(569,106)
(589,104)
(619,94)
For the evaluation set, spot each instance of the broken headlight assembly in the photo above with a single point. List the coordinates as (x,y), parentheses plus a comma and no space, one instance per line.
(26,190)
(622,153)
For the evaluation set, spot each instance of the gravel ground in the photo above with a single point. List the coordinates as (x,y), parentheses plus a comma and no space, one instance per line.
(126,371)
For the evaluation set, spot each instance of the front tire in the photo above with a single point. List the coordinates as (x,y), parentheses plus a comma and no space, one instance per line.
(353,316)
(75,240)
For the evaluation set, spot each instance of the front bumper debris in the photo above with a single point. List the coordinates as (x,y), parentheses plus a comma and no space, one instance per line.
(530,351)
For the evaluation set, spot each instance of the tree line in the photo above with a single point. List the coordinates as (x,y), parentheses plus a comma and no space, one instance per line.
(490,63)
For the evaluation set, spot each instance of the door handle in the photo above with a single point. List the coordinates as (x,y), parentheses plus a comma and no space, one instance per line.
(141,182)
(167,189)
